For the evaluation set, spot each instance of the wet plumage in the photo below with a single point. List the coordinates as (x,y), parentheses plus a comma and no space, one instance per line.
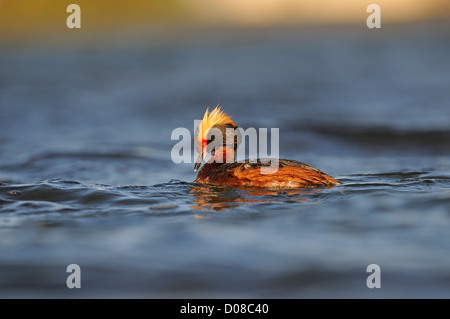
(290,174)
(222,169)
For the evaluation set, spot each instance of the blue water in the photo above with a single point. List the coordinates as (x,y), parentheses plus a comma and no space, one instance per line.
(86,175)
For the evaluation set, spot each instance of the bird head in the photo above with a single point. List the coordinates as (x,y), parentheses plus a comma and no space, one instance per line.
(215,130)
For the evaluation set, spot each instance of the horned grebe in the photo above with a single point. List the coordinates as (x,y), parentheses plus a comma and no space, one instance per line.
(222,168)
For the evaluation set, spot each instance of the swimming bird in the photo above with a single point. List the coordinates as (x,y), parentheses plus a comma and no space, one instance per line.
(223,169)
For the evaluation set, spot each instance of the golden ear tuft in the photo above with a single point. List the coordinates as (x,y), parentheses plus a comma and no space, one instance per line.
(211,119)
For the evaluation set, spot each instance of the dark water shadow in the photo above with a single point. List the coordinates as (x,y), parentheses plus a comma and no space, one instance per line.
(220,198)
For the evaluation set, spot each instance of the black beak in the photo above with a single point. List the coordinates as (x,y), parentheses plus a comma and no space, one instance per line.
(198,162)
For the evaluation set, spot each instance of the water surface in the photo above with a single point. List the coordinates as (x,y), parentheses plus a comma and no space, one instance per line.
(86,175)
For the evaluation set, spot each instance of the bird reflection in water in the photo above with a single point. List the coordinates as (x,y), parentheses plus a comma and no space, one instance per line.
(219,198)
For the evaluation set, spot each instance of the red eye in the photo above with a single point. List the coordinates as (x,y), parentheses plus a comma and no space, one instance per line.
(204,142)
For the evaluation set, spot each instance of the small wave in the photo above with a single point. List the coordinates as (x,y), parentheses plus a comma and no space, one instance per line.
(437,140)
(69,198)
(82,156)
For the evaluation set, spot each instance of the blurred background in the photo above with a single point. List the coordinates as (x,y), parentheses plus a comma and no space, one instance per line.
(86,176)
(136,71)
(36,21)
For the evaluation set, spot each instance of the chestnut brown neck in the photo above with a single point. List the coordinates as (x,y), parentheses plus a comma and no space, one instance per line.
(223,155)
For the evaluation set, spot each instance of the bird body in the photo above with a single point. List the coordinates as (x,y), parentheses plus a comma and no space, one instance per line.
(223,169)
(289,174)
